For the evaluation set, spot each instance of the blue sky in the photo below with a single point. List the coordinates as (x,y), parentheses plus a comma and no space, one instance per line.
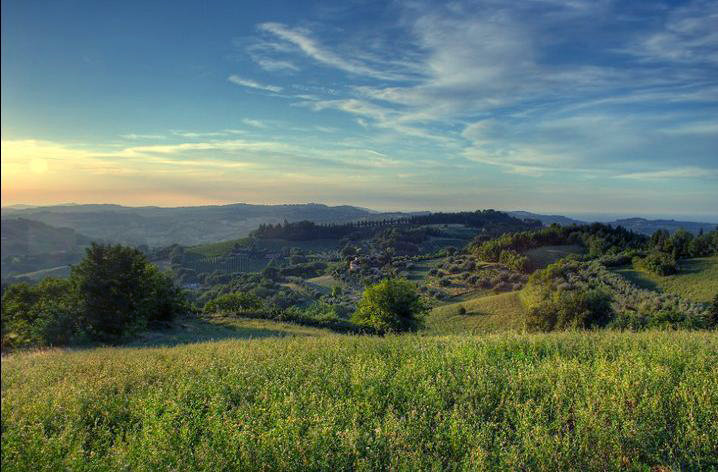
(563,106)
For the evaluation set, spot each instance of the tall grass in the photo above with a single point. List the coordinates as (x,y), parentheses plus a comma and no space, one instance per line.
(562,401)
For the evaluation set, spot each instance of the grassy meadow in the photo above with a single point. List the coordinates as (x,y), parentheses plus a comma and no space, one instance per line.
(484,314)
(696,280)
(562,401)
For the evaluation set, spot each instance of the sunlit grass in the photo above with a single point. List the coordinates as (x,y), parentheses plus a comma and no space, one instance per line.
(484,314)
(563,401)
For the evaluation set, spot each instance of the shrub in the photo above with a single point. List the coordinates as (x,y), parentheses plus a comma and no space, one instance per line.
(572,309)
(513,260)
(235,302)
(660,263)
(462,310)
(392,305)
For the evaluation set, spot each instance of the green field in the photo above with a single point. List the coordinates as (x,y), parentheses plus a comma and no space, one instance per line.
(484,314)
(540,257)
(697,279)
(564,401)
(325,283)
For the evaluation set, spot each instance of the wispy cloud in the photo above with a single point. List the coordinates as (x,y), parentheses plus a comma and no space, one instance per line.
(235,79)
(135,136)
(311,47)
(675,173)
(255,123)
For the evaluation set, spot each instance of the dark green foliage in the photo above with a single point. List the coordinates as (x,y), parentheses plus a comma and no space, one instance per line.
(660,263)
(235,302)
(39,315)
(571,309)
(714,312)
(306,230)
(597,238)
(120,292)
(113,292)
(392,305)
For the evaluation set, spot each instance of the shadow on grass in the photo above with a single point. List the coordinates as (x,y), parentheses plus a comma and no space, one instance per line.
(200,330)
(638,279)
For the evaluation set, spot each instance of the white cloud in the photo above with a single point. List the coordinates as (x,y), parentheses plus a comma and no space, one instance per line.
(254,123)
(235,79)
(312,48)
(135,136)
(675,173)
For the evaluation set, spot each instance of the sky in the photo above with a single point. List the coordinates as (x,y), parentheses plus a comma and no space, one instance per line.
(571,106)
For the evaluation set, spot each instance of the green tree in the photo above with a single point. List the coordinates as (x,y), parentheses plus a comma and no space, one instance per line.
(39,315)
(120,292)
(392,305)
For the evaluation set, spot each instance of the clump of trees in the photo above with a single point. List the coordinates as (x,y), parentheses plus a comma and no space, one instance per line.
(392,305)
(113,293)
(667,249)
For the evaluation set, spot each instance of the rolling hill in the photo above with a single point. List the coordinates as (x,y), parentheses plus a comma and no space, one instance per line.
(156,226)
(29,246)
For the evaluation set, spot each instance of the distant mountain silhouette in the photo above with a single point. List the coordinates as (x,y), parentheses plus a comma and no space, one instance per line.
(156,226)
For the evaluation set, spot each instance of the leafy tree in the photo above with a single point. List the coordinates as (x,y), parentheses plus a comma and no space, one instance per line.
(120,292)
(39,315)
(392,305)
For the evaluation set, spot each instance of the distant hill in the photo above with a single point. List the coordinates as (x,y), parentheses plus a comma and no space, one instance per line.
(644,226)
(637,225)
(29,246)
(545,219)
(155,226)
(21,236)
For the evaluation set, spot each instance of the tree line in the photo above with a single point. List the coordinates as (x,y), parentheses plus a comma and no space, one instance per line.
(307,230)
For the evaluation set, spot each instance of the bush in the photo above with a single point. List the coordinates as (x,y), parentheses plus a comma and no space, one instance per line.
(513,260)
(392,305)
(660,263)
(462,310)
(236,302)
(572,309)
